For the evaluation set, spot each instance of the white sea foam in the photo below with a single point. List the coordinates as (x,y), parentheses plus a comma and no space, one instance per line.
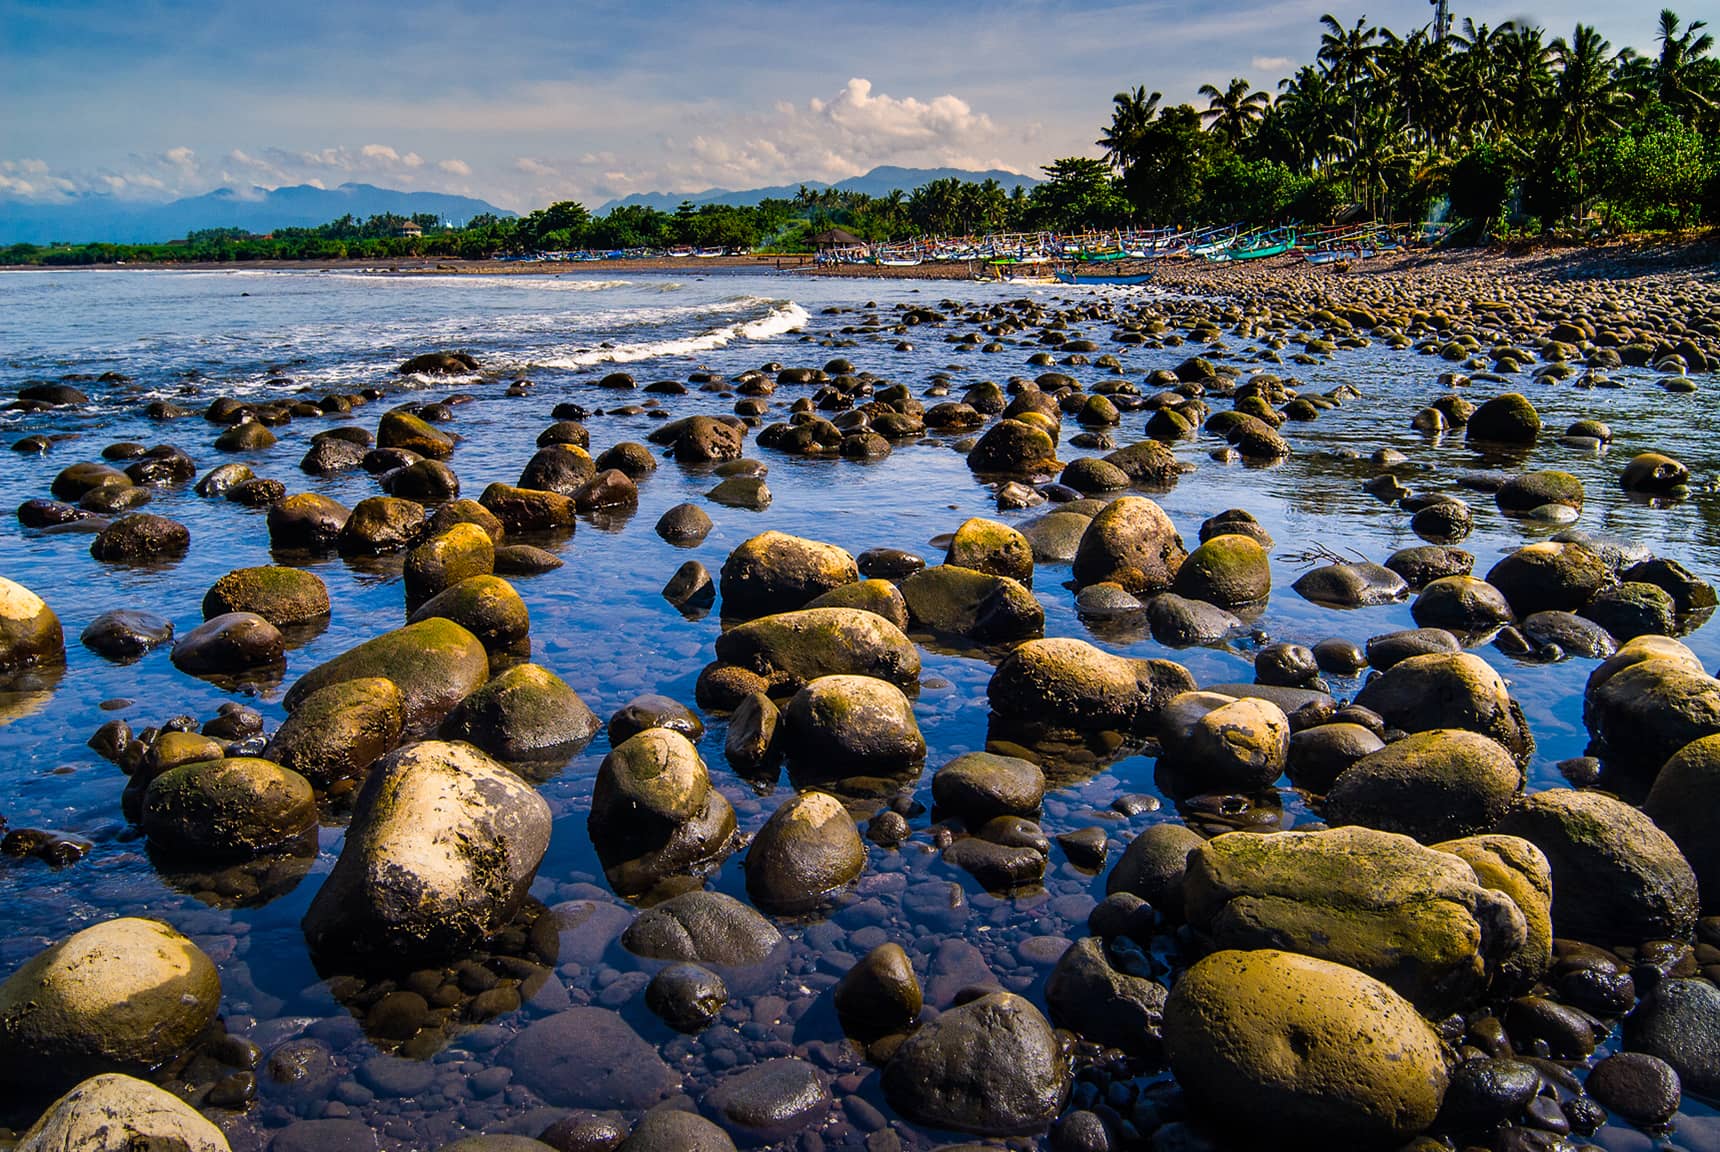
(784,317)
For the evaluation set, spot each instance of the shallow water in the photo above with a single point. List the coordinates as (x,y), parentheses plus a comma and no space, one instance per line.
(600,623)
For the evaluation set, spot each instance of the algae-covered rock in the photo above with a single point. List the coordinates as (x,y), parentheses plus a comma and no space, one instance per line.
(1512,865)
(1014,448)
(283,596)
(816,642)
(1646,702)
(1412,917)
(990,1066)
(486,606)
(118,1113)
(1067,683)
(1435,785)
(655,820)
(806,850)
(1449,690)
(1226,570)
(876,596)
(966,602)
(443,845)
(526,713)
(528,509)
(1267,1042)
(30,633)
(775,572)
(232,808)
(399,429)
(851,725)
(435,663)
(1132,543)
(1505,419)
(338,732)
(126,994)
(988,546)
(458,552)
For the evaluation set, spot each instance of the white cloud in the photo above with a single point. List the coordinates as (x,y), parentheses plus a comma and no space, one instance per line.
(455,167)
(1273,63)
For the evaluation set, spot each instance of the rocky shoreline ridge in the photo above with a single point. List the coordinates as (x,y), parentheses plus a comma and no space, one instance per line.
(1444,960)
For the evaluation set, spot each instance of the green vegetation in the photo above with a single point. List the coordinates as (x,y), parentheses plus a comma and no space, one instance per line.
(1515,132)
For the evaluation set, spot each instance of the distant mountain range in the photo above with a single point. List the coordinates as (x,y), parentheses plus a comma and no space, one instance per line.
(878,182)
(89,219)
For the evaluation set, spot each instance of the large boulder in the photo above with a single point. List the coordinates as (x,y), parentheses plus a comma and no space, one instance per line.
(1133,543)
(1014,448)
(802,646)
(141,538)
(1506,419)
(988,546)
(1068,683)
(456,553)
(991,1066)
(1270,1042)
(400,429)
(283,596)
(1617,878)
(122,995)
(1412,917)
(1153,866)
(701,927)
(1548,576)
(1653,474)
(338,732)
(1088,995)
(443,845)
(1512,865)
(655,820)
(1685,804)
(118,1113)
(486,606)
(872,595)
(1436,785)
(1351,585)
(1461,604)
(1646,702)
(435,663)
(980,786)
(851,725)
(1449,690)
(229,644)
(306,522)
(563,468)
(30,633)
(529,509)
(1679,1022)
(1215,743)
(966,602)
(527,713)
(806,850)
(232,808)
(381,524)
(1227,570)
(776,572)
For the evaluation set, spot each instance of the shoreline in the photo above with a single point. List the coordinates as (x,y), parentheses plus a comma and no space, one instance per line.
(1627,259)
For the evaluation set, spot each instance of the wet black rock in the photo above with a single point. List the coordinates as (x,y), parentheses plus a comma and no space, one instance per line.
(125,633)
(589,1058)
(990,1066)
(686,997)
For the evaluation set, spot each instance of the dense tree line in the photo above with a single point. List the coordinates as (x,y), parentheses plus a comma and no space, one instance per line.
(1512,129)
(1515,128)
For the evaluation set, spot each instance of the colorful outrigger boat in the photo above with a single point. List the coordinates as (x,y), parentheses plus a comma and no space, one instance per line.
(1120,280)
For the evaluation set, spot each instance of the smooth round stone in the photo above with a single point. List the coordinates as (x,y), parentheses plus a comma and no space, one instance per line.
(771,1100)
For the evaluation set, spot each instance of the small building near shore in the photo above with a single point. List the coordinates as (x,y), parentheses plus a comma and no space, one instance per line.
(410,230)
(832,239)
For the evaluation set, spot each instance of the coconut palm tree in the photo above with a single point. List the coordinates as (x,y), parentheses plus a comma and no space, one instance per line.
(1131,113)
(1587,97)
(1684,78)
(1414,68)
(1524,78)
(1234,111)
(1474,80)
(1313,112)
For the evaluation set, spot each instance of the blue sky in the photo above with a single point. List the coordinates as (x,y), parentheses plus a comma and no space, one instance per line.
(525,103)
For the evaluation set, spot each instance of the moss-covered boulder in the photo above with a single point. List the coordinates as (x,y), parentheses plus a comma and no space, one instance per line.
(807,850)
(141,537)
(978,605)
(1528,491)
(1265,1042)
(486,606)
(306,522)
(1685,804)
(802,646)
(876,596)
(435,663)
(443,846)
(1067,683)
(1412,917)
(1646,702)
(980,786)
(1147,463)
(338,732)
(1512,865)
(459,552)
(527,713)
(988,546)
(1449,690)
(562,468)
(1132,543)
(1505,419)
(1548,576)
(30,633)
(285,597)
(656,822)
(118,1113)
(1633,609)
(851,725)
(1435,785)
(227,809)
(1213,743)
(1617,878)
(400,429)
(1226,570)
(776,572)
(1015,448)
(1462,605)
(528,509)
(126,994)
(381,524)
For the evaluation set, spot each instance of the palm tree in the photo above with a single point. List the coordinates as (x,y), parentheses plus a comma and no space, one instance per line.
(1523,75)
(1311,110)
(1377,157)
(1474,90)
(1683,77)
(1586,91)
(1415,68)
(1131,112)
(1234,111)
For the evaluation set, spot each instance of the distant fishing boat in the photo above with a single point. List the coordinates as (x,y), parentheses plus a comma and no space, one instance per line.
(1119,280)
(914,262)
(1255,248)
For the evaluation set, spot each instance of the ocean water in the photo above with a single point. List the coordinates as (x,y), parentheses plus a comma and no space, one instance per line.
(601,624)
